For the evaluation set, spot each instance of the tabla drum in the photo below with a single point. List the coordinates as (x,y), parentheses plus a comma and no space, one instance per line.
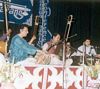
(42,58)
(90,61)
(2,47)
(77,60)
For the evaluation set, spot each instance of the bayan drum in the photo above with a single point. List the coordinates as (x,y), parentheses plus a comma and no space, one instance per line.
(77,60)
(42,58)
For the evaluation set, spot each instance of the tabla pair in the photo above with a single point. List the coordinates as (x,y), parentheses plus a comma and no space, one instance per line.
(42,57)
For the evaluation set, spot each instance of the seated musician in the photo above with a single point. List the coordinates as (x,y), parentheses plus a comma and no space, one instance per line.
(69,52)
(4,41)
(20,49)
(87,49)
(6,35)
(53,48)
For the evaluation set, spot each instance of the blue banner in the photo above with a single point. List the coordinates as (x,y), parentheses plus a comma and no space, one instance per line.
(44,13)
(19,11)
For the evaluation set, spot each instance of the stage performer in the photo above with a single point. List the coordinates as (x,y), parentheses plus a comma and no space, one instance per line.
(6,35)
(20,49)
(4,41)
(69,52)
(87,48)
(88,51)
(53,47)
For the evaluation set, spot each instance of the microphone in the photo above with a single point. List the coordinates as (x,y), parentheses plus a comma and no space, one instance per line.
(97,47)
(92,47)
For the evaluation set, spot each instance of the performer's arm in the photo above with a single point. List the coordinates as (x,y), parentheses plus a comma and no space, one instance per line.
(26,47)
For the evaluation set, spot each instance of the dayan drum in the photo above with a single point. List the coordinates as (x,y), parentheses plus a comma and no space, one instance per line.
(94,60)
(90,61)
(42,58)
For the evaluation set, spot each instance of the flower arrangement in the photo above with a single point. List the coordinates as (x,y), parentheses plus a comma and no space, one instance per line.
(4,73)
(93,73)
(8,73)
(93,70)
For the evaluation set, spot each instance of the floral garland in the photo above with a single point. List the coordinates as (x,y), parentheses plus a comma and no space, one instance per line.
(93,70)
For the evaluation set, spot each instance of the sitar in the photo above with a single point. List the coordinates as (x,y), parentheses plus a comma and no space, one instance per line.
(36,25)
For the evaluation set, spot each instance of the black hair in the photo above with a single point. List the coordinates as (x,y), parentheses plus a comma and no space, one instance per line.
(55,34)
(22,26)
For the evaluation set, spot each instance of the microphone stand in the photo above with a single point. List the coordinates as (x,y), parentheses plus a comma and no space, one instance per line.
(84,58)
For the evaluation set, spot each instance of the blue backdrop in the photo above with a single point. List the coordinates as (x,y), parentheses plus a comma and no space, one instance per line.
(19,11)
(44,14)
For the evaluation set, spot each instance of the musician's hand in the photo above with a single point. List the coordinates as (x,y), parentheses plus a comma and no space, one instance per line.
(32,39)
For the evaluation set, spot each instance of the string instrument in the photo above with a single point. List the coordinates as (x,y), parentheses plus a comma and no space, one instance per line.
(68,26)
(33,39)
(2,47)
(4,43)
(66,34)
(52,45)
(36,24)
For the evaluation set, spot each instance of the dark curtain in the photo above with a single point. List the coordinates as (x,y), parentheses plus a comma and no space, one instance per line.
(81,24)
